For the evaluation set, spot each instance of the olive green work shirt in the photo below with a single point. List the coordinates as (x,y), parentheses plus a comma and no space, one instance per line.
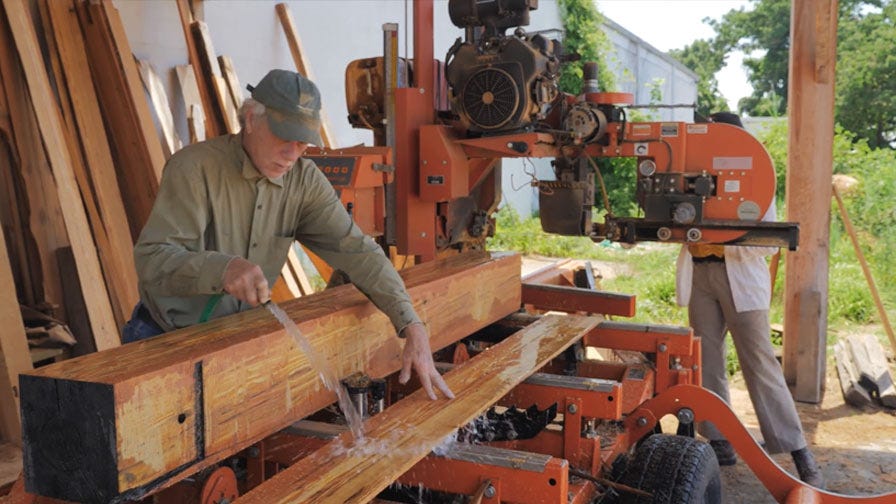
(213,205)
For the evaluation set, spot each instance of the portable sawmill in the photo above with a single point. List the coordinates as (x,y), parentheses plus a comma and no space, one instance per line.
(230,411)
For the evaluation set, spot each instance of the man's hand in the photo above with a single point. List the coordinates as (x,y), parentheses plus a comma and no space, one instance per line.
(418,355)
(246,282)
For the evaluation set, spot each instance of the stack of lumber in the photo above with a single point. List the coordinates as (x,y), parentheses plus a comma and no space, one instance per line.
(85,131)
(865,377)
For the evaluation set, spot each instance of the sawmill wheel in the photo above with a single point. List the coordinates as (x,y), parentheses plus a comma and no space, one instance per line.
(220,487)
(676,470)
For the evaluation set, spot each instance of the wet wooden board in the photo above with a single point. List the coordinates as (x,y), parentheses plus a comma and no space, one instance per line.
(406,432)
(139,417)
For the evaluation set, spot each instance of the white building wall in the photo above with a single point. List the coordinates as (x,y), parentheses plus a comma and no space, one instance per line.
(336,32)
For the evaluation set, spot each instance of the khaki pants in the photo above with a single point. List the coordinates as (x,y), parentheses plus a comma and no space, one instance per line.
(711,311)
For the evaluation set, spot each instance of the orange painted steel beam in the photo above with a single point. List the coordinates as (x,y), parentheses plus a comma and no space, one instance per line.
(409,429)
(546,478)
(707,406)
(641,337)
(594,398)
(575,299)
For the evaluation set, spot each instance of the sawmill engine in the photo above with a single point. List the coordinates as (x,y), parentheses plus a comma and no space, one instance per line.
(500,83)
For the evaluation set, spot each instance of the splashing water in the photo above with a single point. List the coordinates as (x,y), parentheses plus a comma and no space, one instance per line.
(324,370)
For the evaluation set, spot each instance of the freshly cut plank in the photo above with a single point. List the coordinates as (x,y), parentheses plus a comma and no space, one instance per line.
(406,432)
(139,417)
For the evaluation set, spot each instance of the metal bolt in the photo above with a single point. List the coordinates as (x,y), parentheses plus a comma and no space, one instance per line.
(695,367)
(642,421)
(685,416)
(422,91)
(662,347)
(489,492)
(572,408)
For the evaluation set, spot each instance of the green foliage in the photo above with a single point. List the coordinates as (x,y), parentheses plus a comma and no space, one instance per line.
(706,59)
(763,34)
(584,36)
(866,96)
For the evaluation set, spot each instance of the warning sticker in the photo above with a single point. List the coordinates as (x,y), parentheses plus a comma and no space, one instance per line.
(732,186)
(697,129)
(641,130)
(669,130)
(732,163)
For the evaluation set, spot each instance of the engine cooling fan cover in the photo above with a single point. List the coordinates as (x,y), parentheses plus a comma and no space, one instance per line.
(491,98)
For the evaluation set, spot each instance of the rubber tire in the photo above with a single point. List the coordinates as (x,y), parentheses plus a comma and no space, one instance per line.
(676,470)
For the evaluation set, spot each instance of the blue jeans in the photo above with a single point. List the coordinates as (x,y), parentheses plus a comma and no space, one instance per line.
(141,326)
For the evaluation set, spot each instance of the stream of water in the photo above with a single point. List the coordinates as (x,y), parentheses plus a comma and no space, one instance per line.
(324,370)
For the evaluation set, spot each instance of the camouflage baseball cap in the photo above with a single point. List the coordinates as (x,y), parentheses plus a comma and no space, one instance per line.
(293,106)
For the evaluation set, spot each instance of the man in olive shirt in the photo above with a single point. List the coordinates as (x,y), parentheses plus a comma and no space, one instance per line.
(228,210)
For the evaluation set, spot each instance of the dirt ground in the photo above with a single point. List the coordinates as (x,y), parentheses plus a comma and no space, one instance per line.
(855,448)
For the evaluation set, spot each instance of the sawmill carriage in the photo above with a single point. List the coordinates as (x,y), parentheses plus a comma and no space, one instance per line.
(560,408)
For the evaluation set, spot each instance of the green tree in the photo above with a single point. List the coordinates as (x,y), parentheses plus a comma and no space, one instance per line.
(705,58)
(866,76)
(866,95)
(585,37)
(763,34)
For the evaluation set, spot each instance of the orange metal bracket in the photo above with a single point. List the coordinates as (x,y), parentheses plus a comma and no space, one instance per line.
(575,299)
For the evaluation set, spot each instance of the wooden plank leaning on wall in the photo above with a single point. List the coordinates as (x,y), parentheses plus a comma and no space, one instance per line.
(99,308)
(188,399)
(14,356)
(137,148)
(34,204)
(97,180)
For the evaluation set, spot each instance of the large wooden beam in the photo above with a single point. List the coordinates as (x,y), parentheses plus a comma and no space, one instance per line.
(121,423)
(341,473)
(810,111)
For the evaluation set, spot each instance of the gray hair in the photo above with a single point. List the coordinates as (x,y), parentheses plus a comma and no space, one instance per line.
(250,106)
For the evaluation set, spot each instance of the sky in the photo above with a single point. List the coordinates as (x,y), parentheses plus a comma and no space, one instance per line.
(673,24)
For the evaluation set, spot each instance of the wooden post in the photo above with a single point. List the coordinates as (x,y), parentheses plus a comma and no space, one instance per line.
(813,32)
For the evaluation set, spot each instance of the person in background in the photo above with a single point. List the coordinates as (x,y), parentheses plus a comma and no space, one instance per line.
(229,208)
(728,289)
